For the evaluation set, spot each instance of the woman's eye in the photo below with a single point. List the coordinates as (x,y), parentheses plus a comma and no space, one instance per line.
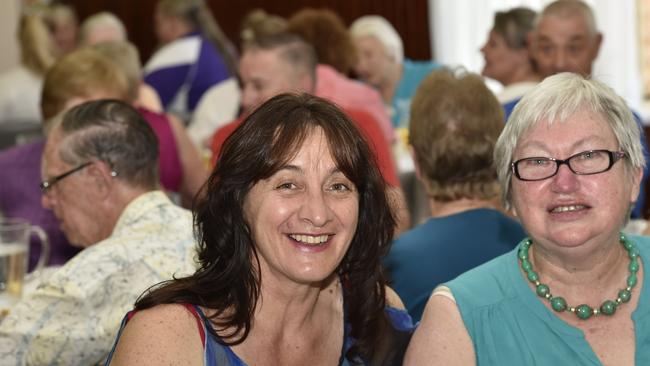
(339,187)
(537,162)
(588,155)
(287,185)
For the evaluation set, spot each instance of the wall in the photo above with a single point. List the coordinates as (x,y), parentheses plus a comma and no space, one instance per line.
(410,17)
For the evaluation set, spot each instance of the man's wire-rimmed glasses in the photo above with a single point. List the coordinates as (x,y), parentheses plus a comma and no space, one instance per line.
(46,185)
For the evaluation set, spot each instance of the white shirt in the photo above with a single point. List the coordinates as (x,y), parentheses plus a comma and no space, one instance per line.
(515,91)
(20,95)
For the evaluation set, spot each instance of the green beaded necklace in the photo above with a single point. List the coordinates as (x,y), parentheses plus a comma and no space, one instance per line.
(583,311)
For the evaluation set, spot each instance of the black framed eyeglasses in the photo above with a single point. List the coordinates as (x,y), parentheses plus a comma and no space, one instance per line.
(583,163)
(46,185)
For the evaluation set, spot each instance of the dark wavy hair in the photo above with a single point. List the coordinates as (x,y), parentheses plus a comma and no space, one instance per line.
(228,280)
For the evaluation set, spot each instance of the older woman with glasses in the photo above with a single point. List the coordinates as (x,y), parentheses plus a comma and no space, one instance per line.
(570,163)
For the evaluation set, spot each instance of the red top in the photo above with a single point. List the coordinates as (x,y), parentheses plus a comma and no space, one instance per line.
(170,169)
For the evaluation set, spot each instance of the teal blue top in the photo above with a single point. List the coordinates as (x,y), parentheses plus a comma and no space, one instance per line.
(509,324)
(442,248)
(413,73)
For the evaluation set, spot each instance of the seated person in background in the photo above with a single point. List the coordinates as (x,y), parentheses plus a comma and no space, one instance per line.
(181,168)
(566,39)
(455,122)
(292,229)
(194,55)
(506,53)
(220,105)
(283,62)
(574,292)
(381,63)
(100,175)
(326,32)
(259,24)
(102,27)
(78,76)
(62,20)
(107,27)
(20,86)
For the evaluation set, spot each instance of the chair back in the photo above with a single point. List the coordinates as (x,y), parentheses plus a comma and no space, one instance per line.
(19,132)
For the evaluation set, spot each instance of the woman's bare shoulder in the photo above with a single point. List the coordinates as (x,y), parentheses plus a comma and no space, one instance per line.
(441,338)
(166,334)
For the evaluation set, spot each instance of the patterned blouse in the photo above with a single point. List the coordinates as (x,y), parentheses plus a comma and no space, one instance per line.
(74,315)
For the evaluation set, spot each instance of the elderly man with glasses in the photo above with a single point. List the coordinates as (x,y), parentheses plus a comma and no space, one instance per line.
(100,170)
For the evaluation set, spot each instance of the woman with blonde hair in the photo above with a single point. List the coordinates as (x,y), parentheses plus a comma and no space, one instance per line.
(63,22)
(181,168)
(20,87)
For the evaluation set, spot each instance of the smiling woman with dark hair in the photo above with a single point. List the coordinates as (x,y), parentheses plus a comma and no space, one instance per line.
(292,228)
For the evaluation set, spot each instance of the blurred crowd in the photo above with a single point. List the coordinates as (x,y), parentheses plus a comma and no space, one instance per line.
(307,194)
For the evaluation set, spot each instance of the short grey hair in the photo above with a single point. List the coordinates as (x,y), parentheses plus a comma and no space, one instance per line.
(557,99)
(102,20)
(380,28)
(113,132)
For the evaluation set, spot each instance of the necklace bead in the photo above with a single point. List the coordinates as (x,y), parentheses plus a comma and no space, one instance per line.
(583,311)
(608,307)
(558,304)
(542,290)
(624,295)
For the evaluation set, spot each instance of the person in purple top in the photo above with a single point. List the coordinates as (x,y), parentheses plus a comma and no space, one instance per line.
(20,196)
(194,57)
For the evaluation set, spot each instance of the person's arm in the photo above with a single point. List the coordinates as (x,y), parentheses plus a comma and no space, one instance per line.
(162,335)
(441,338)
(216,108)
(148,98)
(195,173)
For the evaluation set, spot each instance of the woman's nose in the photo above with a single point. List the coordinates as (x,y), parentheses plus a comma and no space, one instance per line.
(564,180)
(315,209)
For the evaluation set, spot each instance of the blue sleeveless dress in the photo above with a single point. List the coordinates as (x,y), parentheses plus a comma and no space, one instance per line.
(217,354)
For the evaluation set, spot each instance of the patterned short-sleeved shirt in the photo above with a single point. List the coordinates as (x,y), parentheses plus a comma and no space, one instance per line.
(74,315)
